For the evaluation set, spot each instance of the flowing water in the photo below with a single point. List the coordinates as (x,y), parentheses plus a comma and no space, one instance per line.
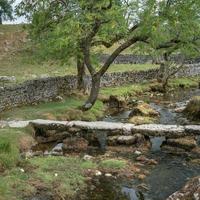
(171,173)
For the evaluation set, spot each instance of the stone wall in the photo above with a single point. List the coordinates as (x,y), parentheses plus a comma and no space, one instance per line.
(142,59)
(128,59)
(45,89)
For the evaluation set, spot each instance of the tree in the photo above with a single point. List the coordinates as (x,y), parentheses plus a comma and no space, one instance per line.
(75,27)
(6,10)
(177,38)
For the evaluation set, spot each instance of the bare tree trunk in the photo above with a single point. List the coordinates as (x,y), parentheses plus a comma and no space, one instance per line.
(80,74)
(165,84)
(1,21)
(96,79)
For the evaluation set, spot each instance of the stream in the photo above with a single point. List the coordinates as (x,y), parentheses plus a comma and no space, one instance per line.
(171,173)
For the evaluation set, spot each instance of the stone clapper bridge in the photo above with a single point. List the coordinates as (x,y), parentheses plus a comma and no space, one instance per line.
(49,131)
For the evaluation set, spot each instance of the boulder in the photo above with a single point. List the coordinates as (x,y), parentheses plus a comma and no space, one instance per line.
(192,109)
(143,109)
(136,139)
(116,102)
(191,191)
(138,120)
(52,137)
(186,143)
(74,144)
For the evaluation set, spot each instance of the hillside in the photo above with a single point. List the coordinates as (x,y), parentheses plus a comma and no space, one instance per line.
(18,59)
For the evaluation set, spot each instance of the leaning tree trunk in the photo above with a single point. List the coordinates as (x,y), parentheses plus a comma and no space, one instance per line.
(80,75)
(96,79)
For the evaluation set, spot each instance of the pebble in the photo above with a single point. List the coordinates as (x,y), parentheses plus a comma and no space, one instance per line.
(87,157)
(138,153)
(98,173)
(108,175)
(22,170)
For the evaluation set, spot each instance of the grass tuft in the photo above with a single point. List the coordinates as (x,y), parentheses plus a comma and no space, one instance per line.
(113,164)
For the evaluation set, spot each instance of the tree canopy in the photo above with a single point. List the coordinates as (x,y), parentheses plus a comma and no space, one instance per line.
(6,10)
(67,28)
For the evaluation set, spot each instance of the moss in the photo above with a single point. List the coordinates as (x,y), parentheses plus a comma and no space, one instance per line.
(138,120)
(193,108)
(113,164)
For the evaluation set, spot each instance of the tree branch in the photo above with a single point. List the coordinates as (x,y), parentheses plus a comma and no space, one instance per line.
(121,48)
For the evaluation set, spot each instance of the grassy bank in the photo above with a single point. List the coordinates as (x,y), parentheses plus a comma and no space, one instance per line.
(68,108)
(22,178)
(19,59)
(49,176)
(24,67)
(138,89)
(64,110)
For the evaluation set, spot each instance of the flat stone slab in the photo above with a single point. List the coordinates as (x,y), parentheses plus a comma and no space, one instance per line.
(160,130)
(125,128)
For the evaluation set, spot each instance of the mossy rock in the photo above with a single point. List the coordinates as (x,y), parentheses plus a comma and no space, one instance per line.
(138,120)
(192,110)
(143,109)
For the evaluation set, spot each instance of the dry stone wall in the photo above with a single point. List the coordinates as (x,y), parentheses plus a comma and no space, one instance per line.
(45,89)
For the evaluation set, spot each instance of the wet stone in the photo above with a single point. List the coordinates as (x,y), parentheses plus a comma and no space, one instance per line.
(75,144)
(191,191)
(58,148)
(126,140)
(186,143)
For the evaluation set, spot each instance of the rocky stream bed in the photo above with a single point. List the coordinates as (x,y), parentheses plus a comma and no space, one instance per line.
(163,160)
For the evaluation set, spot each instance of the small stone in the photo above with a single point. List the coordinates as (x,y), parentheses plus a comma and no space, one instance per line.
(87,157)
(22,170)
(58,98)
(98,173)
(46,153)
(138,153)
(58,148)
(141,177)
(108,175)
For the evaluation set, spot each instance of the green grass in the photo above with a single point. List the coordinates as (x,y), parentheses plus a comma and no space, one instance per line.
(187,82)
(63,176)
(20,178)
(113,164)
(9,149)
(11,28)
(23,62)
(25,67)
(131,67)
(66,110)
(125,90)
(67,172)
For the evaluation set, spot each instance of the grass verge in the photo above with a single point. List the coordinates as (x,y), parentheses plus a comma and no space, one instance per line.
(65,110)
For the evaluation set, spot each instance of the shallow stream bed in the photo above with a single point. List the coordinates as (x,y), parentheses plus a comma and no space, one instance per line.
(171,173)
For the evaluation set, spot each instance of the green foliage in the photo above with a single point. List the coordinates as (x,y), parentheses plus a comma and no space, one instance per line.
(62,28)
(59,28)
(6,11)
(175,28)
